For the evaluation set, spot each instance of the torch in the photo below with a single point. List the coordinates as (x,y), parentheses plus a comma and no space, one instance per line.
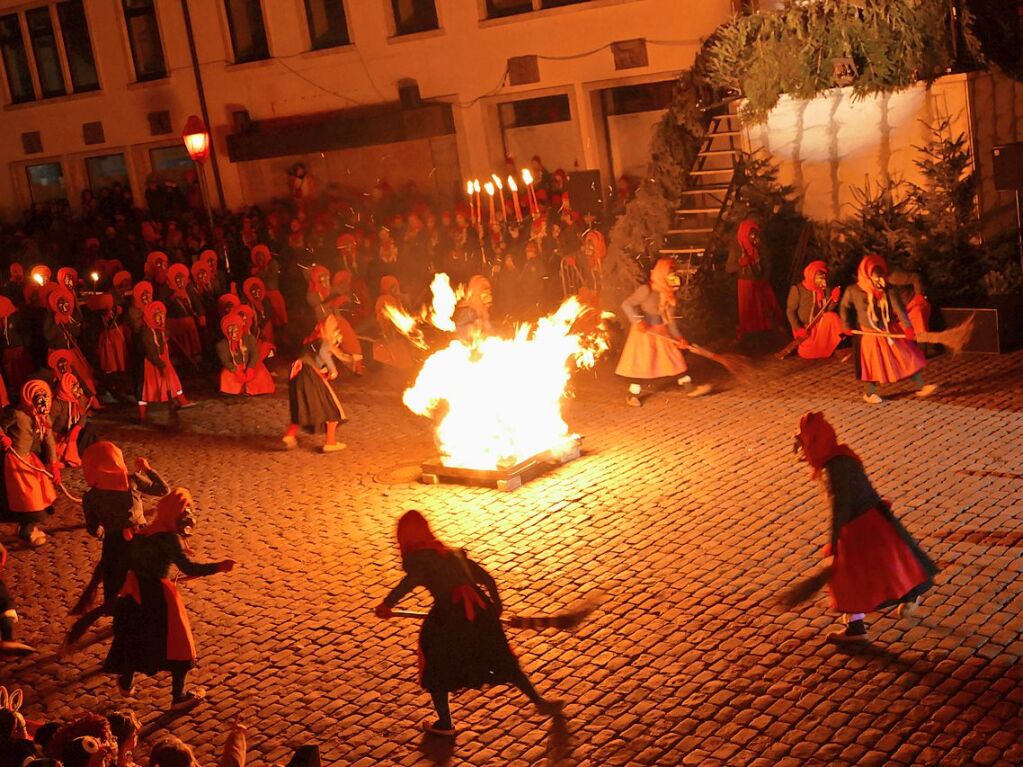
(490,192)
(515,198)
(534,207)
(479,205)
(500,191)
(468,192)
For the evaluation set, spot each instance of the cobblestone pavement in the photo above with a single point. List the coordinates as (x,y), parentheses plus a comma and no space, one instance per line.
(689,515)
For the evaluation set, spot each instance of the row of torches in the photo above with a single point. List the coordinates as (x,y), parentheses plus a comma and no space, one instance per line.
(496,186)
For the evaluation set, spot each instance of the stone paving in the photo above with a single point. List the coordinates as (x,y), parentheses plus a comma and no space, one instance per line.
(688,515)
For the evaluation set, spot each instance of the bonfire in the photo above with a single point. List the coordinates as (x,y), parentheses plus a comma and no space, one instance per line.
(497,401)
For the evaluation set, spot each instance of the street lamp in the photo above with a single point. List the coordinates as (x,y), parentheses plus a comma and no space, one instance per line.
(197,143)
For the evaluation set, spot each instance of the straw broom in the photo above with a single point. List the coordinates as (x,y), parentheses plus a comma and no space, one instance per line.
(738,366)
(953,339)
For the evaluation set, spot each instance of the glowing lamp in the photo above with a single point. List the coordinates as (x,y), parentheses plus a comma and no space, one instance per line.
(196,138)
(497,181)
(512,185)
(95,276)
(527,176)
(468,188)
(476,186)
(490,188)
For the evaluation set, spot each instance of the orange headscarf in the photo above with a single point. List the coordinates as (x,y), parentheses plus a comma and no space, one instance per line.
(809,273)
(66,393)
(54,296)
(248,315)
(877,298)
(122,280)
(227,303)
(137,292)
(751,252)
(199,268)
(209,257)
(232,319)
(173,273)
(16,272)
(260,255)
(389,285)
(820,444)
(54,358)
(168,511)
(414,534)
(103,467)
(659,282)
(249,285)
(314,280)
(63,275)
(29,391)
(152,271)
(154,308)
(7,307)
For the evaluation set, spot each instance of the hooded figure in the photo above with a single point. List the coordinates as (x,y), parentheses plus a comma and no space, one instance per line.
(17,364)
(462,644)
(811,311)
(319,294)
(758,306)
(394,348)
(184,314)
(265,266)
(312,402)
(874,308)
(653,348)
(877,564)
(243,372)
(68,416)
(62,328)
(31,467)
(112,347)
(155,270)
(151,629)
(160,380)
(254,294)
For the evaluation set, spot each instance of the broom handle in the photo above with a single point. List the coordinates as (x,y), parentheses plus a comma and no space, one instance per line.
(420,616)
(882,335)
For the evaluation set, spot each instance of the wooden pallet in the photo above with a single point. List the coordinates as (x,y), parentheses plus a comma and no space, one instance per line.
(507,479)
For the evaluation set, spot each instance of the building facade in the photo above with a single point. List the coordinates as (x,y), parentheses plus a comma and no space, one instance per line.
(424,91)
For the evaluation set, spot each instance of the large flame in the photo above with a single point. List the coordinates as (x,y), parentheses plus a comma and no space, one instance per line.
(497,401)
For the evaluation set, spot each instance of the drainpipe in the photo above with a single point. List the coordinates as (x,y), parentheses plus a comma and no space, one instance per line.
(202,103)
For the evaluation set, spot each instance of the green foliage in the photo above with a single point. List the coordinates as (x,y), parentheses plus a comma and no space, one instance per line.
(893,43)
(884,221)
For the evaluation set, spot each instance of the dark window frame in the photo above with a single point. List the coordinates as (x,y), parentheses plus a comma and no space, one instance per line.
(323,42)
(37,40)
(146,11)
(64,10)
(17,43)
(430,24)
(263,53)
(542,110)
(533,6)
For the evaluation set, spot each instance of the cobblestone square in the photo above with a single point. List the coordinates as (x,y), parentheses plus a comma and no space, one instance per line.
(688,515)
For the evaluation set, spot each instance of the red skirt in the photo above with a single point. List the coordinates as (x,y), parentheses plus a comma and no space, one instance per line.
(17,367)
(278,309)
(887,360)
(650,354)
(184,336)
(240,382)
(874,565)
(824,336)
(919,311)
(27,489)
(67,447)
(113,350)
(758,307)
(160,385)
(180,644)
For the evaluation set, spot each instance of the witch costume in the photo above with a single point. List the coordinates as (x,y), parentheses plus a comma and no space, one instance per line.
(312,402)
(877,563)
(462,644)
(151,629)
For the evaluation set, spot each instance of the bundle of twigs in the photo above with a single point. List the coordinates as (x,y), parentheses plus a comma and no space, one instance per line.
(738,366)
(953,339)
(805,589)
(566,620)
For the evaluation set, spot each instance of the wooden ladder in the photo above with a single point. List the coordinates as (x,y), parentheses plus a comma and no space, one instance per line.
(709,191)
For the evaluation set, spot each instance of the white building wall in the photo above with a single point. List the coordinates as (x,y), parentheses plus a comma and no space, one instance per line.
(461,63)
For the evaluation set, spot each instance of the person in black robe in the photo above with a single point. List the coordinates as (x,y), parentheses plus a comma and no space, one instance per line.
(462,643)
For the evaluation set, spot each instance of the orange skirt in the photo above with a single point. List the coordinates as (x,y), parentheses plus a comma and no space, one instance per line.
(650,354)
(239,382)
(27,489)
(887,360)
(919,311)
(113,351)
(160,385)
(824,336)
(758,307)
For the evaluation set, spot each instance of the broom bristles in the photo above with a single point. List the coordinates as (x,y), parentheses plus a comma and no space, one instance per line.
(953,339)
(737,366)
(805,589)
(567,620)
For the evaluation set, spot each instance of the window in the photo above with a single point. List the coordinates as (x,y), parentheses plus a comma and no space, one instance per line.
(411,16)
(144,36)
(105,171)
(630,99)
(541,111)
(498,8)
(75,31)
(12,48)
(248,34)
(327,25)
(171,163)
(46,182)
(44,48)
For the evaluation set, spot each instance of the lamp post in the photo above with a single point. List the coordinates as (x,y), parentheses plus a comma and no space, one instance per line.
(197,143)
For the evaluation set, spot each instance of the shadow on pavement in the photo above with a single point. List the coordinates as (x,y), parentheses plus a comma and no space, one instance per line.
(437,751)
(559,742)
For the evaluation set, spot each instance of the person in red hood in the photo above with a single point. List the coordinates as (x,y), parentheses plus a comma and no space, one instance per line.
(462,645)
(14,339)
(113,344)
(156,268)
(811,310)
(267,269)
(151,628)
(312,402)
(254,295)
(758,306)
(69,419)
(320,296)
(184,314)
(876,564)
(27,441)
(160,382)
(243,372)
(884,350)
(62,329)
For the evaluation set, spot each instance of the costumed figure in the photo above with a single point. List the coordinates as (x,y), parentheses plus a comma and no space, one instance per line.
(151,629)
(811,311)
(28,443)
(265,266)
(319,295)
(217,278)
(462,644)
(113,344)
(155,270)
(254,292)
(594,252)
(184,314)
(62,331)
(876,563)
(17,362)
(141,298)
(312,402)
(394,348)
(69,419)
(202,279)
(160,382)
(346,309)
(243,372)
(248,315)
(758,307)
(873,312)
(654,346)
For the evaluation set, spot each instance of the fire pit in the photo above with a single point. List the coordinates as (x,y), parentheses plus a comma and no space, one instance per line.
(504,478)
